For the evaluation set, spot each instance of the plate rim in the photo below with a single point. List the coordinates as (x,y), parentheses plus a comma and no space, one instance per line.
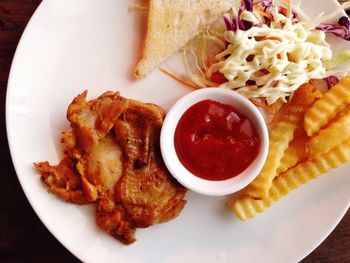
(19,47)
(9,137)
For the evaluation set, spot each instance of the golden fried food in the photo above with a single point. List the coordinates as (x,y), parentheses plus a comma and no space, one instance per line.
(327,107)
(63,180)
(247,207)
(146,189)
(289,159)
(280,137)
(112,158)
(295,152)
(334,134)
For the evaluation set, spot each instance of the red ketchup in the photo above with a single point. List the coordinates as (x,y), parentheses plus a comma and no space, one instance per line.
(214,141)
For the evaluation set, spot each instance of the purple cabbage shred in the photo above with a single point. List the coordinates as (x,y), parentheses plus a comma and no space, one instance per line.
(344,21)
(331,81)
(230,25)
(247,5)
(266,4)
(238,23)
(342,29)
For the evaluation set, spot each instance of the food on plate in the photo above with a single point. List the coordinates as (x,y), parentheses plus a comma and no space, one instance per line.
(305,158)
(295,152)
(265,50)
(289,159)
(247,207)
(214,141)
(172,24)
(326,108)
(112,159)
(337,132)
(272,53)
(280,137)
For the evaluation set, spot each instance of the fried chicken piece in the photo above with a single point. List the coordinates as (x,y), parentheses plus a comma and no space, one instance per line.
(114,219)
(63,180)
(146,190)
(113,160)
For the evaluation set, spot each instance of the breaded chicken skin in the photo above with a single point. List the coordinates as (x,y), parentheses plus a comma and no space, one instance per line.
(112,159)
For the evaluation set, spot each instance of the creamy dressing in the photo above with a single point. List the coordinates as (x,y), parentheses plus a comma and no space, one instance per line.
(276,59)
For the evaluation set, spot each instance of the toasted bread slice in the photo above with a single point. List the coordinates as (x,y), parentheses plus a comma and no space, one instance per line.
(172,24)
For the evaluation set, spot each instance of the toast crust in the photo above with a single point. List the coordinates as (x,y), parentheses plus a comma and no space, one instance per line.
(172,24)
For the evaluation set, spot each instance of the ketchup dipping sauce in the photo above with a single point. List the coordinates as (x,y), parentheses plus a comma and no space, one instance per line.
(214,141)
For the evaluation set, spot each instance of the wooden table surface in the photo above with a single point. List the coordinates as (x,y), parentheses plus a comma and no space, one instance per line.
(23,238)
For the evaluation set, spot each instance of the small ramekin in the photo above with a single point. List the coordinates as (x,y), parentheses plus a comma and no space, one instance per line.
(185,177)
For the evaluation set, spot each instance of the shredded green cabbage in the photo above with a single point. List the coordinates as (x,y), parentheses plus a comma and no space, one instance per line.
(270,60)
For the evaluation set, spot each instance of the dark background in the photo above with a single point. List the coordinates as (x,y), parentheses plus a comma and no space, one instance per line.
(23,238)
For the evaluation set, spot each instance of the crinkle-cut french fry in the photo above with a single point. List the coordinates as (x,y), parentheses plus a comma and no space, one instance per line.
(247,207)
(332,135)
(296,151)
(289,159)
(327,107)
(280,137)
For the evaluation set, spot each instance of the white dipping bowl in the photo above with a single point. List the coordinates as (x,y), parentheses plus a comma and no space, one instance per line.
(188,179)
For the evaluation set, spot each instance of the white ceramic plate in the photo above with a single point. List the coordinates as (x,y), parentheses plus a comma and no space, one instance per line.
(72,45)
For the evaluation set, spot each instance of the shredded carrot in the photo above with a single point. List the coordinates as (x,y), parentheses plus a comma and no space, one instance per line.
(274,38)
(178,79)
(283,11)
(290,59)
(286,11)
(267,15)
(264,14)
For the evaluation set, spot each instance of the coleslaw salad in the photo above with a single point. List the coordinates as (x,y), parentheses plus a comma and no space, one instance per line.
(265,50)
